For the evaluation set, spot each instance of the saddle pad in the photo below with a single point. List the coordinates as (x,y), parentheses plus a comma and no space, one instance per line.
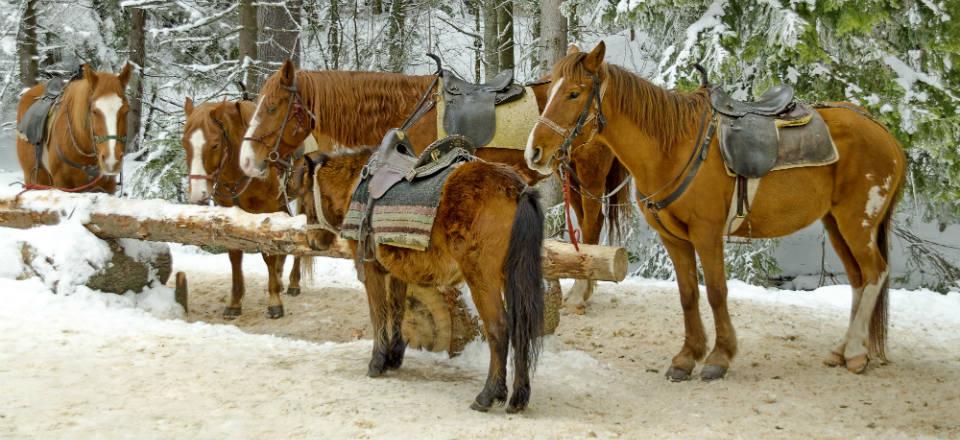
(514,120)
(403,216)
(752,145)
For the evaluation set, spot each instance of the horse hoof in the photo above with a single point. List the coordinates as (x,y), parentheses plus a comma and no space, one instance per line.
(712,372)
(274,312)
(476,406)
(514,409)
(677,375)
(857,364)
(231,312)
(834,359)
(293,291)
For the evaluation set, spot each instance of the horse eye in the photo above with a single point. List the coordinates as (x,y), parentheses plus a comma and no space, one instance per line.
(272,109)
(215,146)
(574,94)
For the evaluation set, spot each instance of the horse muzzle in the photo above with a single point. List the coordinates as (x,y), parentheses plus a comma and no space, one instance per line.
(535,161)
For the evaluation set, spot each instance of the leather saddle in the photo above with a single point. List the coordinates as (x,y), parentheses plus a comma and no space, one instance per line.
(756,137)
(33,124)
(395,160)
(470,109)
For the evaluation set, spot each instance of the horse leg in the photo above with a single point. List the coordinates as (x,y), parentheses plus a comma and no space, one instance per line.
(709,247)
(591,224)
(863,243)
(233,310)
(274,284)
(576,299)
(835,357)
(486,293)
(398,305)
(375,282)
(294,288)
(694,341)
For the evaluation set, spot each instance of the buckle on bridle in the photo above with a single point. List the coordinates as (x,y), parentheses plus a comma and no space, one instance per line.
(273,156)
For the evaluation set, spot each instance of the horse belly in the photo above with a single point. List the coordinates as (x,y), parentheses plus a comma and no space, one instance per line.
(426,268)
(787,201)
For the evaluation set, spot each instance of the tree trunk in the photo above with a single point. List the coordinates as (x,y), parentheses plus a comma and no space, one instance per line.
(27,45)
(396,37)
(477,43)
(491,41)
(138,19)
(275,233)
(553,34)
(505,34)
(333,34)
(279,25)
(248,44)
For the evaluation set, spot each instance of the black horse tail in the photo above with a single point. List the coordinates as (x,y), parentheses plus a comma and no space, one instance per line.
(523,270)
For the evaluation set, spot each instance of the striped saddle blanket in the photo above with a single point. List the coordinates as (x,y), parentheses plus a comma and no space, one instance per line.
(403,215)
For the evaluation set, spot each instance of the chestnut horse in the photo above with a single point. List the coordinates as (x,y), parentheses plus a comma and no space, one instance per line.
(356,109)
(654,133)
(488,232)
(211,138)
(86,134)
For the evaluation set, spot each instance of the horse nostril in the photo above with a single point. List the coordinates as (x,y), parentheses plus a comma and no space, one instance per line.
(537,153)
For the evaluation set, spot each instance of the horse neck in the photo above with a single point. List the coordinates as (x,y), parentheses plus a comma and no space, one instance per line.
(651,164)
(357,108)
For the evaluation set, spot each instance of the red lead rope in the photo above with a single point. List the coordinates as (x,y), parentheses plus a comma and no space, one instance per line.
(81,188)
(573,233)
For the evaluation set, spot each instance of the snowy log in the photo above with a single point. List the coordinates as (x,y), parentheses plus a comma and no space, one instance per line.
(233,228)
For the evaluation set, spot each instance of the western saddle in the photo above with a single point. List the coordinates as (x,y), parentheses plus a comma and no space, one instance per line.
(470,109)
(33,124)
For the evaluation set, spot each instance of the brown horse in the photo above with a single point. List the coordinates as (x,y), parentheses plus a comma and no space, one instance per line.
(211,138)
(86,134)
(355,109)
(654,131)
(488,232)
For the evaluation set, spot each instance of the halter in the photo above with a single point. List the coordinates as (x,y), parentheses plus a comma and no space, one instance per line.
(563,153)
(215,176)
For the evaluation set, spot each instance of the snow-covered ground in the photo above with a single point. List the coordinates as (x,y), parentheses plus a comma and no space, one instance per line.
(90,364)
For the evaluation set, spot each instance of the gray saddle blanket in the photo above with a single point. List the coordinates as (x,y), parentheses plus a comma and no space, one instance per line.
(33,124)
(401,192)
(753,145)
(470,108)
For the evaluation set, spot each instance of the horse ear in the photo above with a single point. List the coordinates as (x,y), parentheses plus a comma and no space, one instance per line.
(287,72)
(90,75)
(188,106)
(125,73)
(572,49)
(595,58)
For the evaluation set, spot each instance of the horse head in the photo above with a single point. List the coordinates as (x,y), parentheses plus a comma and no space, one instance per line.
(280,123)
(571,112)
(210,138)
(107,115)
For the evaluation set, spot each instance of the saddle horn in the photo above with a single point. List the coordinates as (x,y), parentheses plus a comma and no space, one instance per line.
(704,82)
(436,59)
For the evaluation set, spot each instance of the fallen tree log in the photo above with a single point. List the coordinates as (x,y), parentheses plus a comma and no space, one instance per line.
(232,228)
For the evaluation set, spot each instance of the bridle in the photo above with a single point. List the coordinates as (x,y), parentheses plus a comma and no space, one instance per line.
(214,177)
(296,109)
(322,222)
(569,134)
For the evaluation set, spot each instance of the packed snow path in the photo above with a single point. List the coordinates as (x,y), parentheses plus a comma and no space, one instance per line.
(88,365)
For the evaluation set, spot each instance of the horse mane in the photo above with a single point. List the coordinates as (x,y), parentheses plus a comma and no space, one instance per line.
(666,115)
(76,102)
(356,108)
